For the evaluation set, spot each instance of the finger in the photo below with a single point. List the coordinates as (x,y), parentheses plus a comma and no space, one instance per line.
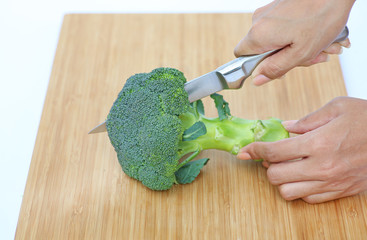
(259,40)
(335,48)
(313,120)
(305,169)
(262,10)
(323,197)
(295,190)
(288,124)
(322,57)
(250,45)
(345,43)
(277,65)
(283,150)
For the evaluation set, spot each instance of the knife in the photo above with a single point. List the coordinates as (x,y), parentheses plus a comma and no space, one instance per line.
(231,75)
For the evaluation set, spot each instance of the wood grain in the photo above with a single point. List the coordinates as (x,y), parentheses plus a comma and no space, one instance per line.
(76,188)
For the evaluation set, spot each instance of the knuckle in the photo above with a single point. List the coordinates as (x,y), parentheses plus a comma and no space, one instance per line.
(338,102)
(325,171)
(273,175)
(252,37)
(320,144)
(251,43)
(269,153)
(256,34)
(258,13)
(340,185)
(329,170)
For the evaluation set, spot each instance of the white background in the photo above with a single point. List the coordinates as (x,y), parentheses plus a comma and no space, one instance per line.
(29,32)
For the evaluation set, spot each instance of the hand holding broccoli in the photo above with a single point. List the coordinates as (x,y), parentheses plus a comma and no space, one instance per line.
(328,161)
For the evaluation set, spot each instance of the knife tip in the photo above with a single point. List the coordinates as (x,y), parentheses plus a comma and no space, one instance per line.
(99,128)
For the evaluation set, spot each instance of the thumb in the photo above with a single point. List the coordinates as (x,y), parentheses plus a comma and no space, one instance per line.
(312,121)
(277,65)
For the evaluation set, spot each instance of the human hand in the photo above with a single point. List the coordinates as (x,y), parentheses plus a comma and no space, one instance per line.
(303,29)
(327,161)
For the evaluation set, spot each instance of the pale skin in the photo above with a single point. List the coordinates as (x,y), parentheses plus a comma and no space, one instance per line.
(327,159)
(303,29)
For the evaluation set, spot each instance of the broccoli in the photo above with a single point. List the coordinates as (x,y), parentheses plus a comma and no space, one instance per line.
(152,125)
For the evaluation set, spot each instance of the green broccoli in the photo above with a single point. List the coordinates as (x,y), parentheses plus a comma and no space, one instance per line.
(152,125)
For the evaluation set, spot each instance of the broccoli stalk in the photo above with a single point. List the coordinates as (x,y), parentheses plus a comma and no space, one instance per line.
(152,126)
(226,132)
(231,134)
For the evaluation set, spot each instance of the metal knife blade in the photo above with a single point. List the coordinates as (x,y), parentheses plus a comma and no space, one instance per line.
(205,85)
(99,128)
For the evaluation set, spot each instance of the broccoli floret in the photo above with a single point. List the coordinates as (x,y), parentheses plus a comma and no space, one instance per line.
(152,125)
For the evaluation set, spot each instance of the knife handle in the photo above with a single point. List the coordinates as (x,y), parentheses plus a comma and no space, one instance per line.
(238,70)
(342,36)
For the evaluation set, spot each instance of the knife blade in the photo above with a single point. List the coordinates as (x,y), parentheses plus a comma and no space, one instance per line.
(228,76)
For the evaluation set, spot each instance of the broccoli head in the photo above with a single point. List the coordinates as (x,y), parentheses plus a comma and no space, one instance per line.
(152,125)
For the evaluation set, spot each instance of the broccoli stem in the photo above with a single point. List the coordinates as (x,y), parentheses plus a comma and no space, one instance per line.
(229,135)
(192,156)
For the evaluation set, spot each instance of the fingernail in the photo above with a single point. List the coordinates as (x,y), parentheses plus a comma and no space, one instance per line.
(260,80)
(345,43)
(243,156)
(288,124)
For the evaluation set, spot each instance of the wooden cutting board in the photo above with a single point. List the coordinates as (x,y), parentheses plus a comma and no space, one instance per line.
(76,188)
